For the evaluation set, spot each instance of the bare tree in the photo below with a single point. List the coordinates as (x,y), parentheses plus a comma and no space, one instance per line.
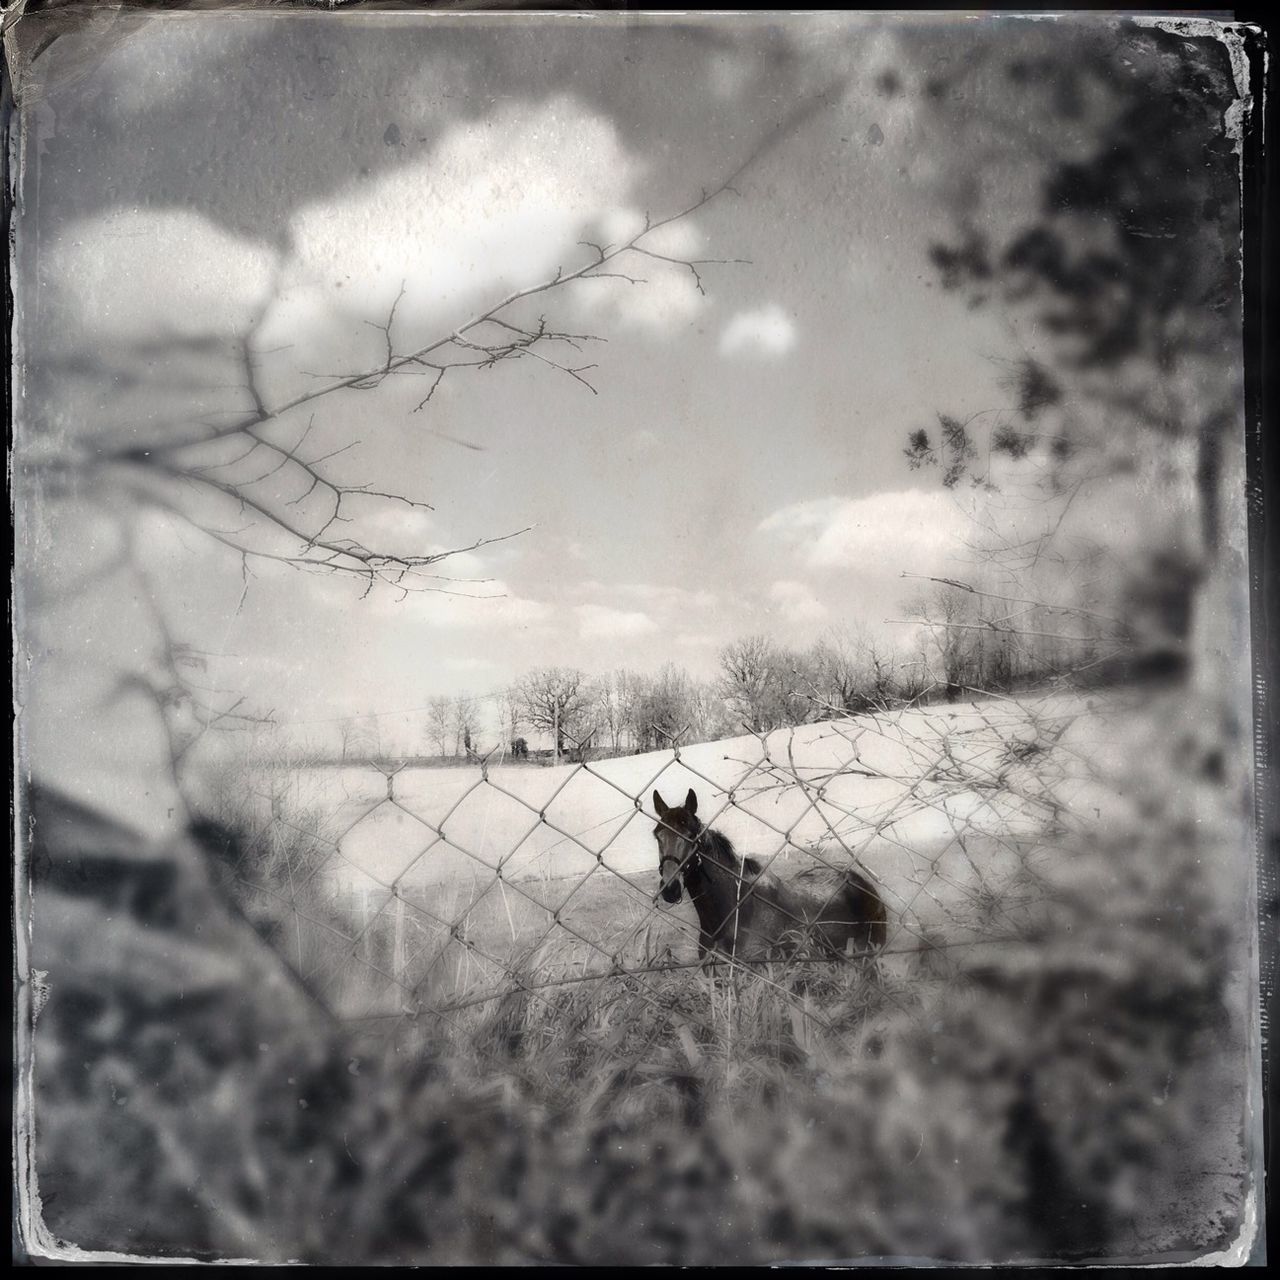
(554,699)
(914,680)
(749,681)
(880,664)
(347,729)
(711,719)
(250,477)
(667,706)
(629,689)
(607,710)
(371,736)
(839,676)
(466,723)
(950,620)
(361,737)
(848,671)
(797,676)
(510,711)
(439,722)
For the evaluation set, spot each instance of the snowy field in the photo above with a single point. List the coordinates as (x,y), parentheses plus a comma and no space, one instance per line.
(898,778)
(948,808)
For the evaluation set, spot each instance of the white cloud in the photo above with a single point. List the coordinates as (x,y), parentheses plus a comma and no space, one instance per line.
(391,527)
(681,239)
(665,303)
(662,598)
(490,604)
(765,331)
(913,530)
(493,607)
(665,597)
(128,274)
(598,622)
(498,204)
(796,602)
(494,206)
(667,298)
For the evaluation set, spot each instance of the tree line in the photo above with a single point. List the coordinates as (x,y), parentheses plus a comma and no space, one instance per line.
(760,685)
(962,641)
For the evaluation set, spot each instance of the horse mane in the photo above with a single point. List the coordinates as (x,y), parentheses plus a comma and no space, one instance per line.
(721,848)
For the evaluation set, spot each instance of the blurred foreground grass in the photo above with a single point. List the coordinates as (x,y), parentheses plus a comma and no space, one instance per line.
(1077,1094)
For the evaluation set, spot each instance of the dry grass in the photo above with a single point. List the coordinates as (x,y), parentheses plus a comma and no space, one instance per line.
(1043,1099)
(518,985)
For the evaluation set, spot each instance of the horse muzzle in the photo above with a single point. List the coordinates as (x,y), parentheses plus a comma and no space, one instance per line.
(671,886)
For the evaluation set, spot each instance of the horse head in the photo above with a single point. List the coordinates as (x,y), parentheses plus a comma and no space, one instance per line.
(676,833)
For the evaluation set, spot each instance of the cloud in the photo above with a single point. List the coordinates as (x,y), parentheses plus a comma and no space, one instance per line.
(796,602)
(494,206)
(654,597)
(496,197)
(394,528)
(765,331)
(681,239)
(913,530)
(598,622)
(665,597)
(457,602)
(665,298)
(499,203)
(666,303)
(493,607)
(128,275)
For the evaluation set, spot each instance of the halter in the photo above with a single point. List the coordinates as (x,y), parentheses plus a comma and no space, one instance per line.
(694,857)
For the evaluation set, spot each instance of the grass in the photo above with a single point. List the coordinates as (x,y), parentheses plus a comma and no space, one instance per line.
(518,980)
(512,982)
(487,1094)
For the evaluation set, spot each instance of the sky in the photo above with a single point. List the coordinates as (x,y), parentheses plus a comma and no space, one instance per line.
(737,465)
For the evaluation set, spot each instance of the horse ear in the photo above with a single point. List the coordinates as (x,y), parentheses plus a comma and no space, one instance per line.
(691,801)
(659,805)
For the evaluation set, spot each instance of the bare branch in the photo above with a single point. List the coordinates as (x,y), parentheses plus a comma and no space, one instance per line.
(991,595)
(691,263)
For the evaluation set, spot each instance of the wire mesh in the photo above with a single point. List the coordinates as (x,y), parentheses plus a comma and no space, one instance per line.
(409,896)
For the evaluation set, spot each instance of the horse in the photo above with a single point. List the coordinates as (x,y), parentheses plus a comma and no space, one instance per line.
(746,912)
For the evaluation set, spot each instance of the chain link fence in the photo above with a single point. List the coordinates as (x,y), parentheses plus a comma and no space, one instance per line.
(1038,1060)
(449,898)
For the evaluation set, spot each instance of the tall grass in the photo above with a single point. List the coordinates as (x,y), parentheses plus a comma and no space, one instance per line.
(668,1043)
(1043,1099)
